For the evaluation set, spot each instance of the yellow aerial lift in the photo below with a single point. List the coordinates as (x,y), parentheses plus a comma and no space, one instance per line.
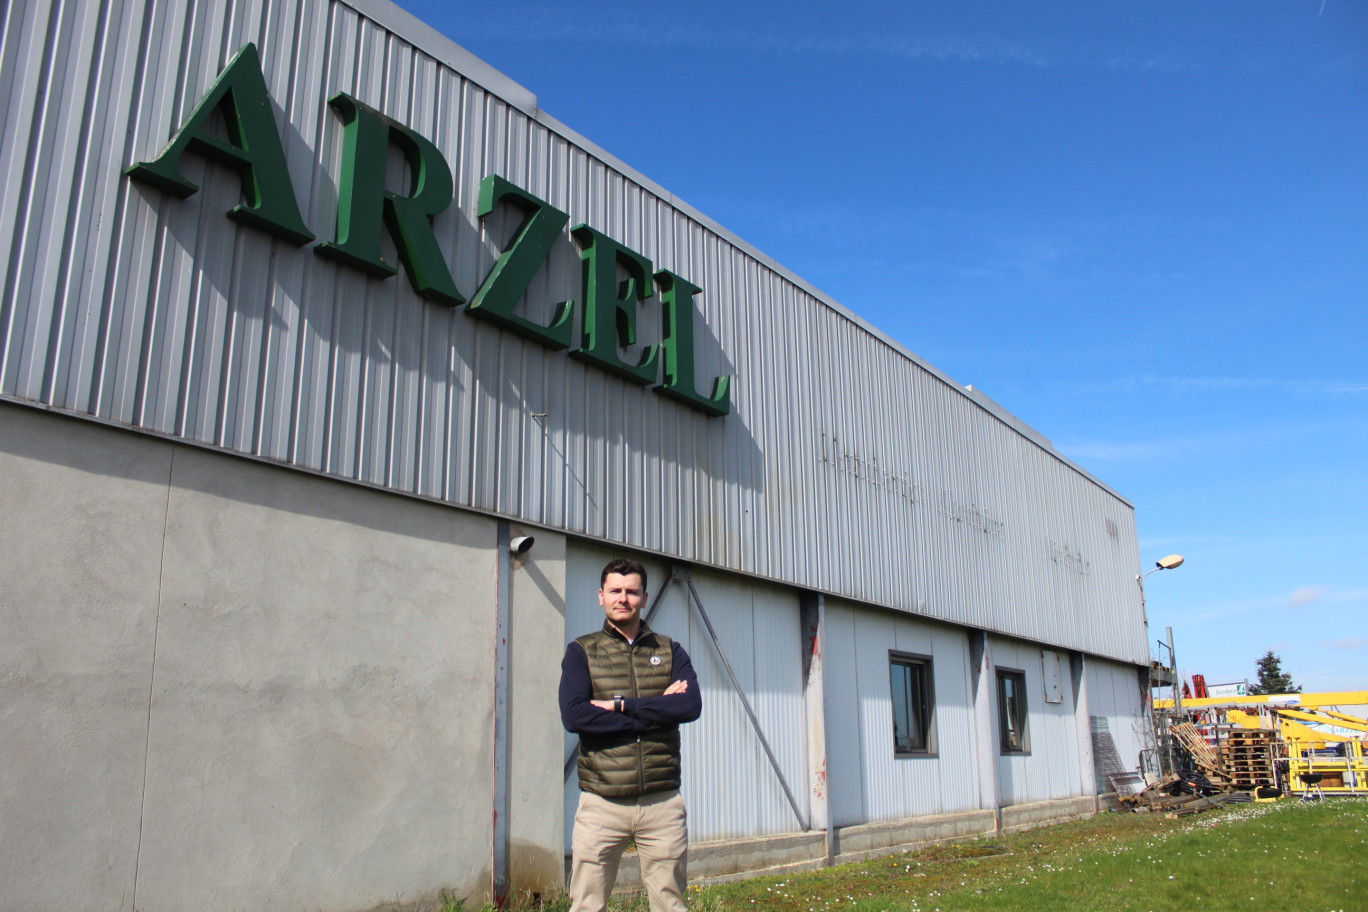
(1316,761)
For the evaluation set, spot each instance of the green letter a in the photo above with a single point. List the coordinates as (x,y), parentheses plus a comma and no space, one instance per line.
(253,149)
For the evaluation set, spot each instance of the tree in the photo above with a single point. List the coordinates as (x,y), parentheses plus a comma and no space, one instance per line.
(1272,679)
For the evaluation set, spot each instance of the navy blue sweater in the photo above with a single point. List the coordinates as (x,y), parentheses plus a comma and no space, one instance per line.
(639,714)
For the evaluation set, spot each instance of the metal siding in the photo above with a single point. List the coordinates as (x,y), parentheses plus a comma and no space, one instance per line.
(845,750)
(883,795)
(125,303)
(734,791)
(1114,694)
(889,787)
(729,786)
(955,746)
(1050,770)
(778,704)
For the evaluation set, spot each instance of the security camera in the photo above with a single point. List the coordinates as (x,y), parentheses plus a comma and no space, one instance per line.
(521,545)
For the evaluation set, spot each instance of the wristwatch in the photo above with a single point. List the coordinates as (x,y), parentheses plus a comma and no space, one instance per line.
(617,702)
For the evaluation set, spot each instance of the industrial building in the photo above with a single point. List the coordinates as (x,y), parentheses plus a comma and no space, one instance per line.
(310,321)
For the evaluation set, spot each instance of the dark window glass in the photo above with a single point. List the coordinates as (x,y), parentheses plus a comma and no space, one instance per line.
(1012,711)
(910,681)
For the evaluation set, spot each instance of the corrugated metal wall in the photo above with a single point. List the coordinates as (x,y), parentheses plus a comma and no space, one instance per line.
(866,782)
(729,786)
(1050,769)
(1114,694)
(846,465)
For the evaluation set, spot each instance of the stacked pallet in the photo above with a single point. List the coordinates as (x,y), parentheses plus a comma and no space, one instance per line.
(1247,755)
(1204,757)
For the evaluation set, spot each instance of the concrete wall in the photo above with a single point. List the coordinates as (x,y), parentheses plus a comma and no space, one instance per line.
(82,513)
(228,685)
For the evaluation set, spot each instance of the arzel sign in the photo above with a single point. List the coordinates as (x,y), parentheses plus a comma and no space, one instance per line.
(253,149)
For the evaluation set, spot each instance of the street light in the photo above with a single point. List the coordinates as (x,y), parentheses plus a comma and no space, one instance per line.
(1172,562)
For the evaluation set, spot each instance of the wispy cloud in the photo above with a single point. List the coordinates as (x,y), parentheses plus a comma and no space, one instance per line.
(1233,384)
(1305,595)
(1235,609)
(1247,438)
(1324,596)
(1346,643)
(1099,451)
(553,23)
(1167,448)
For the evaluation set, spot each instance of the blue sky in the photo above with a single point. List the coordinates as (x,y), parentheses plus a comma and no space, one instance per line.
(1142,227)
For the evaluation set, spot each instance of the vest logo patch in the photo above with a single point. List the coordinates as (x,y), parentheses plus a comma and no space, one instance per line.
(655,660)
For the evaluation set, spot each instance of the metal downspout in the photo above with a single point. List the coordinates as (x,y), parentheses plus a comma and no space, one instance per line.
(498,868)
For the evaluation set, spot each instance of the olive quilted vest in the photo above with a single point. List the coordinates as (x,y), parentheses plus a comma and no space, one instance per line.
(627,766)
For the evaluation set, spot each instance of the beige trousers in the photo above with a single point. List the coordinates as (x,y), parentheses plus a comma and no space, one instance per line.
(603,827)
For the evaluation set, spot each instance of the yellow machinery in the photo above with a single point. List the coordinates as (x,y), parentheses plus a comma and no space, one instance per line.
(1312,759)
(1337,760)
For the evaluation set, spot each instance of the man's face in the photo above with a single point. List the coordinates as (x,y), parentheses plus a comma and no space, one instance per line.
(621,598)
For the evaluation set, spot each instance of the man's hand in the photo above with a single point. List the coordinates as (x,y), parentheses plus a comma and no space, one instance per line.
(677,687)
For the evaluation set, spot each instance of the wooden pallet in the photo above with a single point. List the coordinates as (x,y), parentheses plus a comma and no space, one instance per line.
(1203,755)
(1248,757)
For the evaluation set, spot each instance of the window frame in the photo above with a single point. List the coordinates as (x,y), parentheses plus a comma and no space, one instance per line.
(1022,717)
(925,677)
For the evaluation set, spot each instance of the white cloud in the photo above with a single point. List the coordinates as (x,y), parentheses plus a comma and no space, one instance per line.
(557,23)
(1081,451)
(1221,384)
(1305,595)
(1346,643)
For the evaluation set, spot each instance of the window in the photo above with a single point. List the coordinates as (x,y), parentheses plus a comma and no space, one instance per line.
(914,732)
(1011,686)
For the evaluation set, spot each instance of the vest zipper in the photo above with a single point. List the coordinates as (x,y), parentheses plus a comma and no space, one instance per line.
(636,692)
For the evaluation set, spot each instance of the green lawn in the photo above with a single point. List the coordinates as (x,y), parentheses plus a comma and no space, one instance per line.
(1253,857)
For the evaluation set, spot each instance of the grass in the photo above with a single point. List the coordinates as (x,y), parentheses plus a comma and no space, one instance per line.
(1252,858)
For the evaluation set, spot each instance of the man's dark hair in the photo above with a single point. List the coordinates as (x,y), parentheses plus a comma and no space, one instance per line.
(624,567)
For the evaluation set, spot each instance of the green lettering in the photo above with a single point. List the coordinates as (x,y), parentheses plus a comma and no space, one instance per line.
(677,343)
(507,282)
(610,307)
(252,149)
(363,203)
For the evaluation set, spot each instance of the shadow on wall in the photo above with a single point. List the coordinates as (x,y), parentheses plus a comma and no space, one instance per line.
(84,446)
(314,362)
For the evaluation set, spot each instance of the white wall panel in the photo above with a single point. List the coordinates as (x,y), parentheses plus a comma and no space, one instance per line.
(847,465)
(1114,694)
(867,781)
(845,749)
(1050,769)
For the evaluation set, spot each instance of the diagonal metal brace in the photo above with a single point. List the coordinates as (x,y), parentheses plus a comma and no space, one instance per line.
(755,723)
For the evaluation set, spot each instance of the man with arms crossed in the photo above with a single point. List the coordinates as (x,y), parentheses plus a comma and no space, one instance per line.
(624,690)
